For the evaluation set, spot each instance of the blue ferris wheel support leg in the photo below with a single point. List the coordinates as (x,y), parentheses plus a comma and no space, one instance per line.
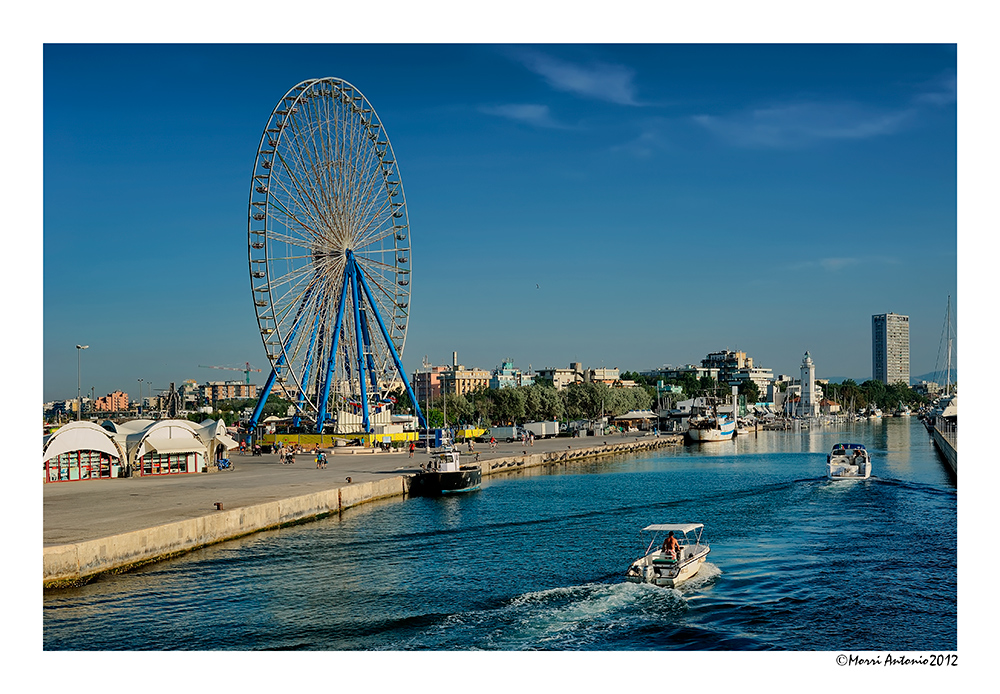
(264,392)
(392,348)
(353,274)
(332,362)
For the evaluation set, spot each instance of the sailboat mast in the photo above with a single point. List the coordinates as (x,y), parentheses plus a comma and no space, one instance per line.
(947,320)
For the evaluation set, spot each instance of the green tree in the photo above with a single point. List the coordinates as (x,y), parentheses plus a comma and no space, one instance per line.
(640,378)
(689,382)
(482,405)
(532,403)
(458,409)
(852,397)
(435,418)
(750,390)
(584,400)
(552,404)
(874,391)
(508,405)
(403,403)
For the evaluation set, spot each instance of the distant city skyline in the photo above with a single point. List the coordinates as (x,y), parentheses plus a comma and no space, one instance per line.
(625,205)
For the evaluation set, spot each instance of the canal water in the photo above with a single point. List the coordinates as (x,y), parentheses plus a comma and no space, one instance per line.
(536,562)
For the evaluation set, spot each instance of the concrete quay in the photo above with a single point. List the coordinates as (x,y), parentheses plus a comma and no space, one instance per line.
(102,526)
(947,443)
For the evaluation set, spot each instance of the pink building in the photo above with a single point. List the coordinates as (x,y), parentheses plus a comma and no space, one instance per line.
(428,383)
(112,402)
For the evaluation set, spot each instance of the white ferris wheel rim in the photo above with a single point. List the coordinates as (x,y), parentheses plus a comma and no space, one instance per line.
(326,182)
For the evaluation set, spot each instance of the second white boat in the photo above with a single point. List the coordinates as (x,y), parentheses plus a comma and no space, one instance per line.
(849,461)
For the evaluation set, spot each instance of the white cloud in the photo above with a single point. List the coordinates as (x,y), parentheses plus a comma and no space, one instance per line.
(532,114)
(648,142)
(836,264)
(941,92)
(601,81)
(798,125)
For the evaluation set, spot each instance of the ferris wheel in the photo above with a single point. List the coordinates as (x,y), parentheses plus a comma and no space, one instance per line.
(329,256)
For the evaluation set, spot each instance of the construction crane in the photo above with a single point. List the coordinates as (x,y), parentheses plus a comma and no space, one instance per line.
(246,370)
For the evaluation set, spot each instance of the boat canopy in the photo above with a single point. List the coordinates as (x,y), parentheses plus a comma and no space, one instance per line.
(679,527)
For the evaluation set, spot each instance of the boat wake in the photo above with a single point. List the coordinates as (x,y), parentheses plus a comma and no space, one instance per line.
(581,617)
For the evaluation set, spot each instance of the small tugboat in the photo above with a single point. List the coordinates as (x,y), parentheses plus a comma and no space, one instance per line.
(444,474)
(672,561)
(849,461)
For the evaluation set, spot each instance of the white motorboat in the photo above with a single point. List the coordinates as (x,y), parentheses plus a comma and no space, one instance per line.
(663,567)
(849,461)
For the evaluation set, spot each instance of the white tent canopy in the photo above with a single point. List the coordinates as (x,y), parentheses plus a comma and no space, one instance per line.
(129,441)
(81,436)
(637,414)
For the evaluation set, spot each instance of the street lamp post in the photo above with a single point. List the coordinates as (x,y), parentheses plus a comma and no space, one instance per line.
(79,398)
(138,404)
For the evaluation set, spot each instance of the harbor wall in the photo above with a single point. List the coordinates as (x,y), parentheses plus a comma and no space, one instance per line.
(510,463)
(72,564)
(948,445)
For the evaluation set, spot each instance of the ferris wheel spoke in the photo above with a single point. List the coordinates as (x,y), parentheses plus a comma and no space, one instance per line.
(310,230)
(380,232)
(293,277)
(305,200)
(308,172)
(373,252)
(386,301)
(378,227)
(369,200)
(322,163)
(296,241)
(365,173)
(291,215)
(373,263)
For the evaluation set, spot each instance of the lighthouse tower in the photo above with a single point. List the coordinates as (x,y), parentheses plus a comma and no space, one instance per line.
(808,404)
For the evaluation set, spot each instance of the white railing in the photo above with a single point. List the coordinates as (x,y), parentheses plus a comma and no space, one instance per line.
(948,431)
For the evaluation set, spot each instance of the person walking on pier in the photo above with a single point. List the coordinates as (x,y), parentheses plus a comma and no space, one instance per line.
(412,446)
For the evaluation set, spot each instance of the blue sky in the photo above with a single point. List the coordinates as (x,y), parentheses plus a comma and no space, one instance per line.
(613,204)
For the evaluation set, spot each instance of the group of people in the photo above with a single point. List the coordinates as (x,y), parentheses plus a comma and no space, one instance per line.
(287,452)
(320,456)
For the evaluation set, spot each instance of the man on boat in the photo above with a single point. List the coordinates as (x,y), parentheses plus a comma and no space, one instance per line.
(671,546)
